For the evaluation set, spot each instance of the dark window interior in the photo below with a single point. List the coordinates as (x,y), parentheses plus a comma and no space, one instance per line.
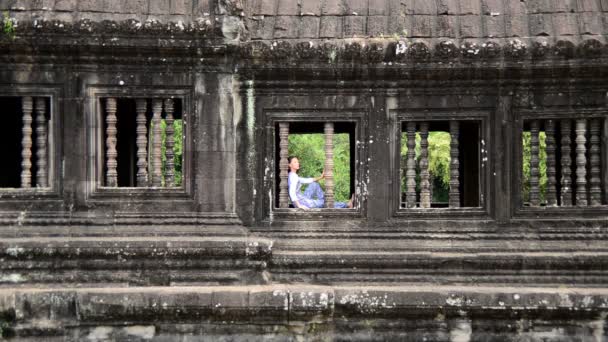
(340,128)
(126,144)
(10,140)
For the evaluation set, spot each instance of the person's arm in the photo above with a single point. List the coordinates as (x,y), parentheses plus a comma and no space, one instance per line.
(310,180)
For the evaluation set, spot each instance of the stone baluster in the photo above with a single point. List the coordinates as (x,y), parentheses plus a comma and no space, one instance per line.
(454,195)
(169,144)
(329,165)
(581,162)
(157,106)
(410,171)
(534,163)
(141,106)
(26,143)
(283,164)
(595,190)
(41,143)
(111,140)
(550,194)
(566,161)
(425,184)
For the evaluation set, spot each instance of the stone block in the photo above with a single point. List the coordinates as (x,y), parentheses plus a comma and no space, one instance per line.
(517,26)
(492,6)
(309,27)
(494,26)
(376,26)
(604,4)
(330,27)
(540,25)
(565,6)
(470,7)
(421,7)
(65,5)
(446,26)
(286,27)
(181,7)
(45,305)
(261,27)
(288,7)
(354,26)
(92,5)
(135,6)
(264,7)
(310,8)
(160,6)
(422,26)
(276,298)
(516,8)
(590,23)
(539,6)
(43,5)
(565,24)
(378,7)
(470,26)
(400,26)
(448,7)
(230,299)
(203,8)
(587,5)
(355,7)
(332,7)
(396,7)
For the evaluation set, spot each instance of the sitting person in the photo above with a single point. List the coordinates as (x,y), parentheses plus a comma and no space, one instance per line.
(313,196)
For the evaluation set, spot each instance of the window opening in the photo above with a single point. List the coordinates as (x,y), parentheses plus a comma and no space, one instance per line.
(24,137)
(308,142)
(562,162)
(143,142)
(440,164)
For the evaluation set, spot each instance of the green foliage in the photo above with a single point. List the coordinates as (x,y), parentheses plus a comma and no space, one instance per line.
(439,163)
(310,150)
(177,148)
(542,166)
(8,28)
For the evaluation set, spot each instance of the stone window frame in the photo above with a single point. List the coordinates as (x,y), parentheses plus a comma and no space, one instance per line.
(273,117)
(96,144)
(399,117)
(521,211)
(53,93)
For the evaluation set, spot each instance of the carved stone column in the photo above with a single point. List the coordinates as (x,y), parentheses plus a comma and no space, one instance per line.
(142,143)
(595,190)
(534,164)
(157,106)
(169,144)
(454,196)
(425,184)
(581,163)
(283,164)
(41,143)
(566,161)
(111,140)
(329,165)
(26,143)
(551,192)
(410,171)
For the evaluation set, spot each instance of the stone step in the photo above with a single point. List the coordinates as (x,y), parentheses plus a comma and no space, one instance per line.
(153,313)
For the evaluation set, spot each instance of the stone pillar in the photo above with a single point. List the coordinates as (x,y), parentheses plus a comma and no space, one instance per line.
(329,165)
(169,144)
(551,192)
(454,195)
(111,140)
(534,163)
(410,170)
(581,163)
(41,143)
(595,190)
(142,143)
(157,175)
(425,184)
(566,161)
(26,143)
(283,164)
